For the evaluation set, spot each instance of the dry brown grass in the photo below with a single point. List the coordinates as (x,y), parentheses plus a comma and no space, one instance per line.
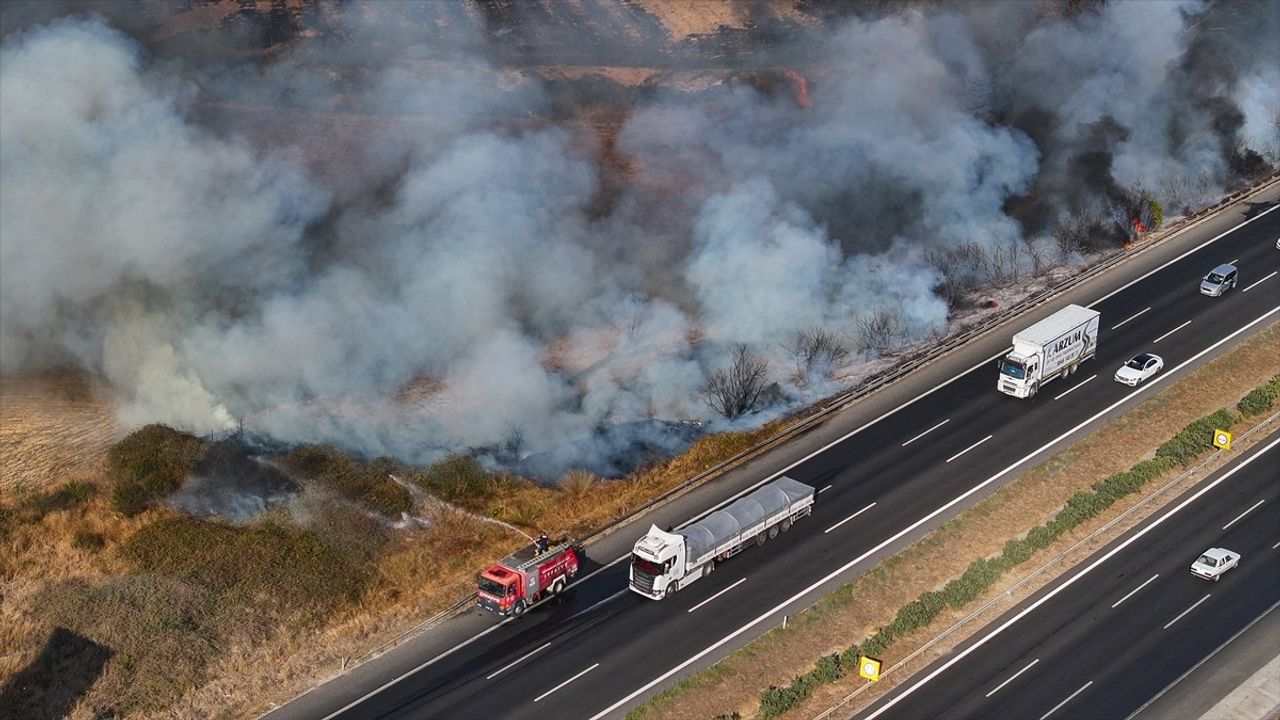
(857,610)
(53,427)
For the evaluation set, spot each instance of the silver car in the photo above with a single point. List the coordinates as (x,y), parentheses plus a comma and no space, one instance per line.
(1219,280)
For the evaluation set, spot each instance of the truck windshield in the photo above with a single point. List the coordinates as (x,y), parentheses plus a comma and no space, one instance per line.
(647,566)
(492,587)
(1013,370)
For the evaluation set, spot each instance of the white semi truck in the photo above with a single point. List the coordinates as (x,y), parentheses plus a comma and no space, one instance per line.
(663,562)
(1052,348)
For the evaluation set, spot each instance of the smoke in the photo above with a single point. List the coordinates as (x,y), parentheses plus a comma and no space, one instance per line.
(464,272)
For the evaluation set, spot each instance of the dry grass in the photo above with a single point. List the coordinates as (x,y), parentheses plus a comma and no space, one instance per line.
(53,427)
(858,609)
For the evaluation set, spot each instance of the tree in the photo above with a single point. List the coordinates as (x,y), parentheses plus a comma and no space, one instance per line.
(738,389)
(879,330)
(817,353)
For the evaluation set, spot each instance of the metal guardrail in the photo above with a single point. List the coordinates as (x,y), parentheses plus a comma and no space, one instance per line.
(1038,572)
(832,405)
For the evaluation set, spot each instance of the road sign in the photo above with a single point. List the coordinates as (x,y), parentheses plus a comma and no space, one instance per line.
(869,668)
(1222,439)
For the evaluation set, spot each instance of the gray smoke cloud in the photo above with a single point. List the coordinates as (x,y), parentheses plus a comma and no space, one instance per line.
(457,283)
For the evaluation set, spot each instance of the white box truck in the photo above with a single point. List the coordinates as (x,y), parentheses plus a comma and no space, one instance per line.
(663,562)
(1053,347)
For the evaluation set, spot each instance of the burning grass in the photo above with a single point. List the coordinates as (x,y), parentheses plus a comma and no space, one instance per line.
(858,609)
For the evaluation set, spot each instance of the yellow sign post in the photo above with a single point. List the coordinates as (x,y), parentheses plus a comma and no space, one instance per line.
(1222,439)
(869,668)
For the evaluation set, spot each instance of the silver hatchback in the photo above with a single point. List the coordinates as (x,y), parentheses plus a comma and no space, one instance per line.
(1219,280)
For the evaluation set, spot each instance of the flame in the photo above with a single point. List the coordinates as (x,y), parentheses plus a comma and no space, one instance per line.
(799,88)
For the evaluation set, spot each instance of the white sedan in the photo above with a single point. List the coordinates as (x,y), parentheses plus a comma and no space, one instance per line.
(1138,369)
(1214,562)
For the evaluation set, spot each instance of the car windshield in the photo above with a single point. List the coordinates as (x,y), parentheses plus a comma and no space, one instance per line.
(1013,370)
(647,566)
(492,587)
(1136,363)
(1206,560)
(1215,278)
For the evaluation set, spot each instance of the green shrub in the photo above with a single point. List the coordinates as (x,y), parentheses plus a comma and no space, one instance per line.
(1017,551)
(1041,536)
(62,498)
(979,576)
(828,669)
(1195,438)
(461,480)
(849,658)
(149,463)
(1260,399)
(87,540)
(775,701)
(370,484)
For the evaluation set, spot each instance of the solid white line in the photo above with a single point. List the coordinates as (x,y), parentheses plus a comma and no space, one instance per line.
(517,662)
(1246,512)
(1064,702)
(926,432)
(1131,592)
(833,527)
(953,457)
(1184,612)
(1153,342)
(1069,582)
(1132,317)
(1075,386)
(1273,547)
(566,682)
(824,489)
(1273,274)
(1202,661)
(1014,677)
(713,597)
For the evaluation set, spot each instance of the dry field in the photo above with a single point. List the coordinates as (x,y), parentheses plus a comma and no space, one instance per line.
(870,602)
(54,427)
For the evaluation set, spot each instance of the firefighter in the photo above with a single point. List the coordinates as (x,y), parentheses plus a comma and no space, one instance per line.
(543,543)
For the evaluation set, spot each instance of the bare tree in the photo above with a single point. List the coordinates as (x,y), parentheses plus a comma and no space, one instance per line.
(1072,234)
(739,388)
(1000,264)
(1037,252)
(880,330)
(817,353)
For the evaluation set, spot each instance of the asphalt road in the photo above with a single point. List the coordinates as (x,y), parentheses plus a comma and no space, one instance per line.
(1125,624)
(601,649)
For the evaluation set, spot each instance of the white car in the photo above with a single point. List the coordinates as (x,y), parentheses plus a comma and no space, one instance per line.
(1214,562)
(1139,368)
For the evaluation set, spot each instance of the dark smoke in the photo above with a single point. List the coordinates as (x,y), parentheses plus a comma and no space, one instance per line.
(405,229)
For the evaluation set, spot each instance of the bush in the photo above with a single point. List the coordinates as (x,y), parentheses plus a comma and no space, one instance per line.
(369,485)
(461,480)
(1195,438)
(63,498)
(1041,536)
(775,701)
(1017,551)
(87,540)
(149,463)
(979,576)
(828,669)
(1260,399)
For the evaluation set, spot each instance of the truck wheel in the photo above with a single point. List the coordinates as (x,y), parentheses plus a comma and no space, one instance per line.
(1035,388)
(706,569)
(557,587)
(518,610)
(786,525)
(761,538)
(773,532)
(671,589)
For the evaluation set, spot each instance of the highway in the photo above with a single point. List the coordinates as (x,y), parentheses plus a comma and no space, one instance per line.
(602,649)
(1114,632)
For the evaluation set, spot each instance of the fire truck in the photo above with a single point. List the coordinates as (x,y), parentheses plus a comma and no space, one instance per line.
(524,577)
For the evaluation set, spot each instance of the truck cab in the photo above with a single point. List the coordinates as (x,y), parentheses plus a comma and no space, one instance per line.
(1019,373)
(498,589)
(657,563)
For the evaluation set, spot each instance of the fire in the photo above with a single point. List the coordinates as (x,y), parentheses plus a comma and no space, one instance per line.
(799,87)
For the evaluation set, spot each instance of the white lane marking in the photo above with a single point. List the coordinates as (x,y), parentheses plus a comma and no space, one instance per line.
(1202,661)
(1075,386)
(926,432)
(611,598)
(1268,277)
(824,489)
(713,597)
(1131,317)
(1277,545)
(566,682)
(953,457)
(1013,677)
(1233,262)
(517,662)
(1184,612)
(1069,582)
(1246,512)
(1064,702)
(1153,342)
(1131,592)
(833,527)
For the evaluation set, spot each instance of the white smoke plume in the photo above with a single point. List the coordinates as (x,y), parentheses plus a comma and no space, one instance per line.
(470,283)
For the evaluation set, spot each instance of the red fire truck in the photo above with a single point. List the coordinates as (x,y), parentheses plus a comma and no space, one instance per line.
(522,578)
